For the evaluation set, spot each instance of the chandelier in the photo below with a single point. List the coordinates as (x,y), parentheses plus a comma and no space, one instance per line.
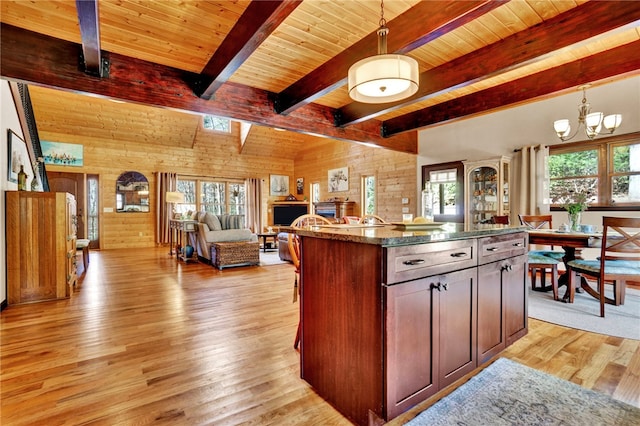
(592,121)
(383,77)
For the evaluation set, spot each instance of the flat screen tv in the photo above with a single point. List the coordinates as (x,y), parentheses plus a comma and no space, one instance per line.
(285,214)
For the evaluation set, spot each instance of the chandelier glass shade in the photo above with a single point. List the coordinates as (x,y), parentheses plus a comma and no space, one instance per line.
(383,77)
(592,121)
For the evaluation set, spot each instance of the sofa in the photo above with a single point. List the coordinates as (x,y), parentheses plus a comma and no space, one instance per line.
(283,247)
(224,228)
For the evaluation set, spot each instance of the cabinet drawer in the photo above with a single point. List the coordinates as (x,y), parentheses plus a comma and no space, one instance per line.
(421,260)
(498,247)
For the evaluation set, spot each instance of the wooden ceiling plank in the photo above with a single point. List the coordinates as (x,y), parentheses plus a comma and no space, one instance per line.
(90,34)
(533,44)
(422,23)
(35,58)
(620,61)
(257,22)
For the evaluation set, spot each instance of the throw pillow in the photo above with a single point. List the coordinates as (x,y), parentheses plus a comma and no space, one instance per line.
(211,220)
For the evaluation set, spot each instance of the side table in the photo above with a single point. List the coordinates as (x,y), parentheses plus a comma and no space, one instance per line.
(265,237)
(182,229)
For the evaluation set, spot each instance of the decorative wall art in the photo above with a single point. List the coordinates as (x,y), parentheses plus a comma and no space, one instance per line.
(18,155)
(279,185)
(300,186)
(62,154)
(339,179)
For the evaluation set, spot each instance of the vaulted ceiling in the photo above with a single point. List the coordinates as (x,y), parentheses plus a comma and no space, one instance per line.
(284,64)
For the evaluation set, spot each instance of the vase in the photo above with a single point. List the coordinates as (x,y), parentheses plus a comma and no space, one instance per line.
(574,221)
(188,251)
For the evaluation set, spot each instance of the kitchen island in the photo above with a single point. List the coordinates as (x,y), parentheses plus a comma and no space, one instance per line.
(392,315)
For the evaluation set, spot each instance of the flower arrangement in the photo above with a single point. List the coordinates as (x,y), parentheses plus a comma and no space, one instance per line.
(576,202)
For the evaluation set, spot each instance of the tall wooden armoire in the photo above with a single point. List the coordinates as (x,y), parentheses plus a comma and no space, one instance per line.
(41,245)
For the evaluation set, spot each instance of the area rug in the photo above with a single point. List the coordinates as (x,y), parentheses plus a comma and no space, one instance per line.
(508,393)
(584,313)
(270,258)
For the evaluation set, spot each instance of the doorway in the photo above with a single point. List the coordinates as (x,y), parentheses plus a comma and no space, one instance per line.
(78,185)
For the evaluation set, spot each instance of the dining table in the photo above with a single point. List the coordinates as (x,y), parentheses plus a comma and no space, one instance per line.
(572,243)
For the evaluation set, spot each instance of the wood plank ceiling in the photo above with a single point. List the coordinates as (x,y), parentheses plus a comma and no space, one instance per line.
(284,63)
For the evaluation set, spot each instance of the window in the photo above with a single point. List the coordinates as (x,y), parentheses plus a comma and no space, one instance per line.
(217,197)
(211,122)
(608,170)
(368,192)
(93,215)
(444,187)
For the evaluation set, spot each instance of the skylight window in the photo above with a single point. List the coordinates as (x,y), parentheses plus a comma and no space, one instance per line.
(219,124)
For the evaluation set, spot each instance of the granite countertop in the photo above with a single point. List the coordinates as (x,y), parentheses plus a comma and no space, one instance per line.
(395,235)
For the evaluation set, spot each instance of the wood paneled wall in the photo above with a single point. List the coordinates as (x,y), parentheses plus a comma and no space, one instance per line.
(395,172)
(119,137)
(212,154)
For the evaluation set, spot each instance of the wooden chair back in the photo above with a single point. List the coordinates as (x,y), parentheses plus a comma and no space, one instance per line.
(500,220)
(310,220)
(536,221)
(542,221)
(620,240)
(372,219)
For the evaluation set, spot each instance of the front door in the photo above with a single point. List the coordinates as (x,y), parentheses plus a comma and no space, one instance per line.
(72,183)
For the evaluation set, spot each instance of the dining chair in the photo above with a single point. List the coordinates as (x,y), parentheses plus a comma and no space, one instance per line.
(542,260)
(619,261)
(372,219)
(294,249)
(500,220)
(293,242)
(310,220)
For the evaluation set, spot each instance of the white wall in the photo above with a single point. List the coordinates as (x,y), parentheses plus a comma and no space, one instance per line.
(499,133)
(8,120)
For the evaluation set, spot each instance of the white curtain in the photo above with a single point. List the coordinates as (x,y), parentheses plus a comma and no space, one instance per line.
(164,182)
(253,188)
(533,181)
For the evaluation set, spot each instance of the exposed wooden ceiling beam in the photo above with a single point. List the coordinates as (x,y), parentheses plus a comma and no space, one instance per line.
(533,44)
(35,58)
(257,22)
(623,60)
(90,33)
(422,23)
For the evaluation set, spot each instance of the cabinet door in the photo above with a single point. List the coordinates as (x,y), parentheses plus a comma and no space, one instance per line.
(491,335)
(409,333)
(456,323)
(515,290)
(502,305)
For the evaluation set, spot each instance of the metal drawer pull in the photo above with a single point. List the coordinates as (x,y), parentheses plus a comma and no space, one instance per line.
(507,268)
(518,245)
(459,254)
(492,249)
(439,286)
(414,262)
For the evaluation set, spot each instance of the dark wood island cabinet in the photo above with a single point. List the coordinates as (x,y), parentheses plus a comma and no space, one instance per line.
(390,317)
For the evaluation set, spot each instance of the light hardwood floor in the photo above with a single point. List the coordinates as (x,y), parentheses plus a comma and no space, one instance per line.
(146,340)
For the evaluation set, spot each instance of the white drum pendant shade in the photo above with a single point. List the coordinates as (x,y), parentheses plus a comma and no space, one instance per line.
(383,78)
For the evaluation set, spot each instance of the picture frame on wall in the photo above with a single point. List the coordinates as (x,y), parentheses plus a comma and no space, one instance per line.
(62,154)
(300,186)
(279,185)
(338,179)
(18,155)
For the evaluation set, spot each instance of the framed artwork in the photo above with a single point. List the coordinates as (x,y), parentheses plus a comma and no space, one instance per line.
(300,186)
(18,155)
(339,179)
(62,154)
(279,185)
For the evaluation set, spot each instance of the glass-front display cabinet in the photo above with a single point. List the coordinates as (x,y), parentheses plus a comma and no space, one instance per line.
(486,190)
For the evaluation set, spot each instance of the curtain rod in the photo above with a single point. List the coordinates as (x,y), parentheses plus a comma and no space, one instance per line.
(537,147)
